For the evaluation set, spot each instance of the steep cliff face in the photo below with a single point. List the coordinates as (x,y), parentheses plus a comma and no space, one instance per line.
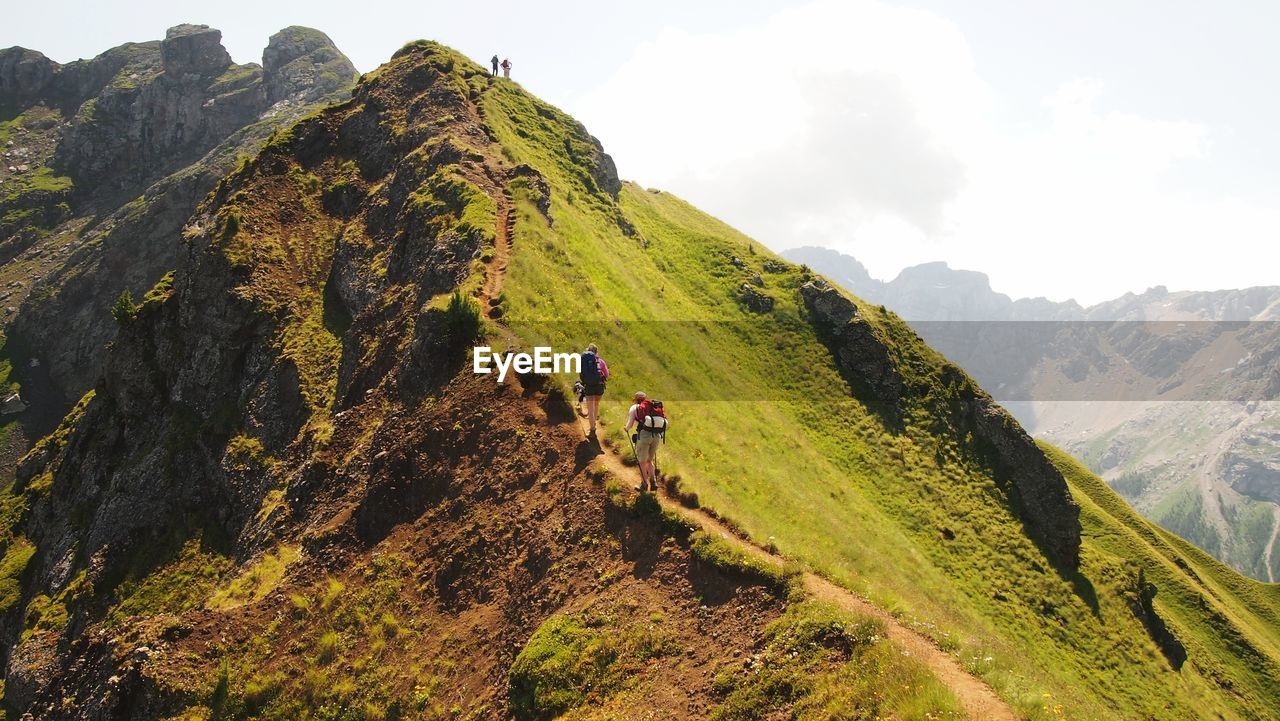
(228,380)
(1041,494)
(109,157)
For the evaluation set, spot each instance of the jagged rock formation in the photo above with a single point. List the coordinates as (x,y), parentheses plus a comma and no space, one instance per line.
(299,61)
(193,50)
(865,360)
(859,352)
(117,152)
(24,73)
(936,292)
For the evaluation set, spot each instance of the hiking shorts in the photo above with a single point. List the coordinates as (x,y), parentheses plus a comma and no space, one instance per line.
(593,389)
(647,447)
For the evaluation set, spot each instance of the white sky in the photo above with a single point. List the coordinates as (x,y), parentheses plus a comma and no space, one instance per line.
(1073,149)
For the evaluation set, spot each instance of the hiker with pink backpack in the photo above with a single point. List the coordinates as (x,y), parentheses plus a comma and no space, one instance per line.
(593,374)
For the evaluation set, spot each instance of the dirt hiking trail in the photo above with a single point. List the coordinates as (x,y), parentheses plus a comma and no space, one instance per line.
(975,696)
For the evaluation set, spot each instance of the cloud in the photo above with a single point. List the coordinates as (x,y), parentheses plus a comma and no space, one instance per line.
(804,122)
(867,128)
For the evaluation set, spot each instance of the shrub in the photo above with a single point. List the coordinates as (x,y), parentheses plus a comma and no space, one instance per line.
(124,310)
(327,647)
(462,316)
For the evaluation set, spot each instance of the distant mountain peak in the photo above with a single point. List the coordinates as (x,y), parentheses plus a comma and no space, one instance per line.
(935,291)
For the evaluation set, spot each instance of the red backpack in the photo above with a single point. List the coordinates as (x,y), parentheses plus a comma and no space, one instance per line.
(652,418)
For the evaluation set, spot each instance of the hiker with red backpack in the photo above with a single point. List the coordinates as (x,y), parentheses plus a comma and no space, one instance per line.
(650,421)
(593,374)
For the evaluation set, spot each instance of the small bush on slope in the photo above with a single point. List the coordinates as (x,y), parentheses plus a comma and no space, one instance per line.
(573,660)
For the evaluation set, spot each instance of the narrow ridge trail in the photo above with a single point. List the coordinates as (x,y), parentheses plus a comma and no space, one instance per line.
(496,269)
(977,699)
(498,187)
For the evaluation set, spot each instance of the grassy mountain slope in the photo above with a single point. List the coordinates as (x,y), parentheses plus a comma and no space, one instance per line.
(351,525)
(770,437)
(1232,623)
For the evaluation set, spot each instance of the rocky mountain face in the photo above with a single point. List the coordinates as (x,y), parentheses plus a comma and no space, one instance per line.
(1173,397)
(104,160)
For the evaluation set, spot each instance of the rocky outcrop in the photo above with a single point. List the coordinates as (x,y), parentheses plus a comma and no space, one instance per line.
(604,171)
(1252,471)
(1039,490)
(860,354)
(193,50)
(1140,595)
(754,300)
(301,63)
(24,73)
(866,359)
(142,133)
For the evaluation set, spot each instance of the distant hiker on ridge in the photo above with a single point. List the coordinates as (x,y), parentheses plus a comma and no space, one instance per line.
(506,68)
(650,421)
(593,374)
(494,61)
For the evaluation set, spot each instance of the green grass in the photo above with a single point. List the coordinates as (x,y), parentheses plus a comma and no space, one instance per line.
(7,384)
(160,291)
(36,200)
(40,179)
(1183,513)
(819,662)
(720,553)
(56,441)
(767,433)
(1229,623)
(235,77)
(259,579)
(577,660)
(17,554)
(182,584)
(1254,522)
(34,118)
